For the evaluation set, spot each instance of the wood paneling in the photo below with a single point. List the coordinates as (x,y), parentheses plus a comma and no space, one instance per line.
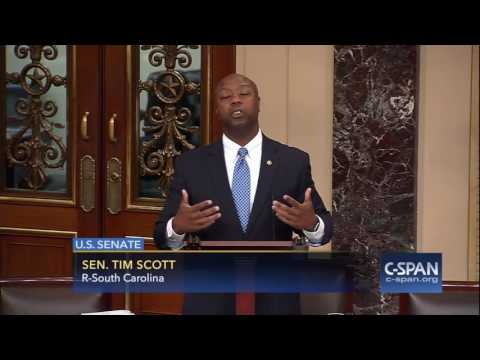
(223,63)
(89,99)
(34,256)
(43,217)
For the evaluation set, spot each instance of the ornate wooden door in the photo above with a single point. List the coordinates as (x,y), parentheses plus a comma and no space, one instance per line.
(89,137)
(48,185)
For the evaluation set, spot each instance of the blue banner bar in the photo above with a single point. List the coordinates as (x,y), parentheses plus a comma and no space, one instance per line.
(108,244)
(203,272)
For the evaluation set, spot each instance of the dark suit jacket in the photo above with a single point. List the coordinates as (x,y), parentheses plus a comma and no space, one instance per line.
(202,172)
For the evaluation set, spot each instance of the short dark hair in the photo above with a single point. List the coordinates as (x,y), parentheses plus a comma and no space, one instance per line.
(252,83)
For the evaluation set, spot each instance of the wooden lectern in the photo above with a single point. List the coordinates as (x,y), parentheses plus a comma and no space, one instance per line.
(245,302)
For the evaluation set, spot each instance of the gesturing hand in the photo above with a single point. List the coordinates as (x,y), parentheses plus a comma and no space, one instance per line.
(300,216)
(192,218)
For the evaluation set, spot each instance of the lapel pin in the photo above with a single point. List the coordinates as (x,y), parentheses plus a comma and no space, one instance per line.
(269,162)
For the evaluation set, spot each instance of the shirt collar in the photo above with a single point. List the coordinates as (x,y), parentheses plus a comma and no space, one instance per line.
(232,146)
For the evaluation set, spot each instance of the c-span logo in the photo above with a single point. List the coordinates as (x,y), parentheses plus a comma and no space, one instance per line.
(411,273)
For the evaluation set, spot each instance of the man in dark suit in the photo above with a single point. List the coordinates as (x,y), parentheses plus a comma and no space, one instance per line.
(244,187)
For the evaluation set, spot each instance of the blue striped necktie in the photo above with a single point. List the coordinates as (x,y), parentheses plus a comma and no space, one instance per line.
(241,188)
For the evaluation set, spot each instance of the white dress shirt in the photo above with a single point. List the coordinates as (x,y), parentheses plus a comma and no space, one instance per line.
(253,158)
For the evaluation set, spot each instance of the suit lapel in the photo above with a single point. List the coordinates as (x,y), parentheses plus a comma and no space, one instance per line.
(221,187)
(263,196)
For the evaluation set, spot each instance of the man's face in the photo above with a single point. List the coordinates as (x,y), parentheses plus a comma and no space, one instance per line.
(237,102)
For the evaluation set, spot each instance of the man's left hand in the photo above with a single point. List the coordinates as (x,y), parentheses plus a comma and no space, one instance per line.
(300,216)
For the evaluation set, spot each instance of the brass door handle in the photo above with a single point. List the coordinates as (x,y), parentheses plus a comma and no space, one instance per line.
(84,126)
(87,183)
(114,186)
(111,129)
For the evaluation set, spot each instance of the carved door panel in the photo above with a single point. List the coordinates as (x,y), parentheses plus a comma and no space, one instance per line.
(166,109)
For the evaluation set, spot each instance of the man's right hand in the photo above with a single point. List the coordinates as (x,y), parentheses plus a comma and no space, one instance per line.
(192,218)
